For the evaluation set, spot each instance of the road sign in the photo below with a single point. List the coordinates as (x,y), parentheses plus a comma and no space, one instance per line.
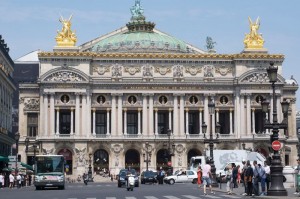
(169,163)
(12,158)
(276,145)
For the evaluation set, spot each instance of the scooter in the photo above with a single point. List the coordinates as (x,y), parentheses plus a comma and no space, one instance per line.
(130,183)
(85,180)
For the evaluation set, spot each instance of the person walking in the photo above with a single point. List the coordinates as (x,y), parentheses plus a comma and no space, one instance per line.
(11,181)
(161,176)
(268,175)
(229,180)
(243,177)
(248,178)
(1,181)
(239,176)
(235,175)
(206,178)
(263,176)
(297,172)
(19,178)
(199,175)
(256,178)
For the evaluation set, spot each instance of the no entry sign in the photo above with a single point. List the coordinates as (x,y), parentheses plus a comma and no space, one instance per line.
(276,145)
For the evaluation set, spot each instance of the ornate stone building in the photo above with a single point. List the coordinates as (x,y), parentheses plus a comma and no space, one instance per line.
(103,100)
(7,89)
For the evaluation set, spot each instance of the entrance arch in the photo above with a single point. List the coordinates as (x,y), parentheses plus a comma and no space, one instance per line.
(68,160)
(101,161)
(162,159)
(132,159)
(192,153)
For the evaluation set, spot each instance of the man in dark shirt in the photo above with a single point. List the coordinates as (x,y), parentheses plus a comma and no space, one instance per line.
(248,178)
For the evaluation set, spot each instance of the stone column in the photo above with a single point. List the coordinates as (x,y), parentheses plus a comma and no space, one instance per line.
(170,118)
(113,115)
(236,114)
(248,112)
(181,115)
(41,119)
(107,121)
(242,112)
(94,121)
(45,115)
(57,121)
(151,132)
(52,114)
(72,121)
(139,121)
(206,114)
(120,114)
(186,121)
(200,121)
(175,114)
(77,114)
(156,121)
(83,116)
(145,118)
(253,121)
(89,113)
(125,121)
(217,114)
(231,121)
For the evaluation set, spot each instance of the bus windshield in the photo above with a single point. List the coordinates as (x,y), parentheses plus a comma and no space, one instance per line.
(49,164)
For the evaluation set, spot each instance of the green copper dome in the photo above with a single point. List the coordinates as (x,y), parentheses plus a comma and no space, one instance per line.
(140,37)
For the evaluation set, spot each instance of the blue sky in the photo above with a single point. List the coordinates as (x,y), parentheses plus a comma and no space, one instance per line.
(28,25)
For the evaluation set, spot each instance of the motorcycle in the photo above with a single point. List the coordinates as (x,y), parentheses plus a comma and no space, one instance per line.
(85,180)
(130,183)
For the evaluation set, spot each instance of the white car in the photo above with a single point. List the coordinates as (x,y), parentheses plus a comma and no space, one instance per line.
(184,176)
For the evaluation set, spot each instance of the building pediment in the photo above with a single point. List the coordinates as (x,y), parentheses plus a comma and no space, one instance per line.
(258,76)
(64,75)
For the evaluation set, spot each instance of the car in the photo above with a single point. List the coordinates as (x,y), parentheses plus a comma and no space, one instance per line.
(148,177)
(182,176)
(122,177)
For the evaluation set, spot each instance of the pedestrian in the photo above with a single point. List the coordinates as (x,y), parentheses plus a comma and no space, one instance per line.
(256,178)
(297,172)
(243,177)
(229,180)
(263,176)
(239,176)
(248,178)
(11,180)
(268,175)
(206,178)
(1,181)
(234,175)
(199,175)
(161,176)
(19,181)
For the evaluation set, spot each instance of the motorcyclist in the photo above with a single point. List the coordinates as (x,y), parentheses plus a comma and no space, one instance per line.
(85,178)
(130,181)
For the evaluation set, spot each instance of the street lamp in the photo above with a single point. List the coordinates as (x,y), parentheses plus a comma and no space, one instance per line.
(90,168)
(17,137)
(148,155)
(34,145)
(277,188)
(170,150)
(211,140)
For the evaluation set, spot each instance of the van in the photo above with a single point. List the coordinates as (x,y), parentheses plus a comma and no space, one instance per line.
(220,174)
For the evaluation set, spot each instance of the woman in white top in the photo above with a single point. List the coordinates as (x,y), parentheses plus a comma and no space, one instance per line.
(1,180)
(229,180)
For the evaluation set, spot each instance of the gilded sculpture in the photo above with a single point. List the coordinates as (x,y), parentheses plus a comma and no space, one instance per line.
(254,40)
(66,37)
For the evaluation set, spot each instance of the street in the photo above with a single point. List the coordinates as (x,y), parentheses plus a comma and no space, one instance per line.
(111,191)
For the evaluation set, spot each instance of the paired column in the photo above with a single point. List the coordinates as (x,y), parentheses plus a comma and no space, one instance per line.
(84,114)
(242,112)
(145,118)
(170,118)
(41,119)
(236,114)
(231,121)
(186,121)
(72,121)
(248,112)
(77,114)
(107,121)
(139,121)
(200,121)
(52,114)
(181,114)
(151,114)
(94,121)
(253,120)
(156,121)
(120,110)
(175,115)
(46,114)
(113,114)
(57,121)
(125,121)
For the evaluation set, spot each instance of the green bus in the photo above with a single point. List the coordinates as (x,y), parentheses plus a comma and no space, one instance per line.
(49,171)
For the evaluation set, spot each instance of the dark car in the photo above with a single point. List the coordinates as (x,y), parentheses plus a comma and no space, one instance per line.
(122,177)
(148,177)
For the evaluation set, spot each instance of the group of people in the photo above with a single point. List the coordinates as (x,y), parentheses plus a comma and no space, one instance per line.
(18,180)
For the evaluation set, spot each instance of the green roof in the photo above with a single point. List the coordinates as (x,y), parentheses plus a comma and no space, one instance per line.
(3,159)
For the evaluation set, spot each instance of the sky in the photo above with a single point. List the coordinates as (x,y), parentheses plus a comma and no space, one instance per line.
(28,25)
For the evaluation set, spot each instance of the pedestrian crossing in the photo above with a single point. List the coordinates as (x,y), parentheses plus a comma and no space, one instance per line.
(172,197)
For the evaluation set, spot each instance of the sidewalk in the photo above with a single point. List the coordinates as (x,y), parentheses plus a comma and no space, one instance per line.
(240,191)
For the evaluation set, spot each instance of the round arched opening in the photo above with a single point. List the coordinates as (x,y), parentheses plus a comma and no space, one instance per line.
(68,160)
(132,160)
(101,162)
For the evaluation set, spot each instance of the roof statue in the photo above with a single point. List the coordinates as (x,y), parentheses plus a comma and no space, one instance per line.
(254,40)
(137,11)
(66,37)
(210,45)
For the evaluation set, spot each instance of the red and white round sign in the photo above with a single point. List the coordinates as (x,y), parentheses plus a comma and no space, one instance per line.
(169,163)
(276,145)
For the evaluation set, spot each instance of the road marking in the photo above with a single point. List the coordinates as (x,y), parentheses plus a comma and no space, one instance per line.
(171,197)
(191,197)
(150,197)
(111,198)
(211,196)
(91,198)
(130,197)
(230,196)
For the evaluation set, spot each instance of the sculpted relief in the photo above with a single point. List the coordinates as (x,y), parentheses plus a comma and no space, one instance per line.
(31,104)
(64,76)
(80,157)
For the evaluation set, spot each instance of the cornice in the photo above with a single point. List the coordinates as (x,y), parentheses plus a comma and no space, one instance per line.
(160,55)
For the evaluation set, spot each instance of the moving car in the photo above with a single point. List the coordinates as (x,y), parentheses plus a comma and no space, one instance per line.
(182,176)
(148,177)
(122,177)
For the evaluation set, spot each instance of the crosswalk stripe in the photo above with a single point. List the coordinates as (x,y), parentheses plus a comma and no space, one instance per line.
(111,198)
(171,197)
(211,196)
(150,197)
(91,198)
(230,196)
(130,197)
(190,197)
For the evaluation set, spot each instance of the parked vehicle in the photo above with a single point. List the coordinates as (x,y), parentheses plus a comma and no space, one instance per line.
(148,177)
(182,176)
(122,177)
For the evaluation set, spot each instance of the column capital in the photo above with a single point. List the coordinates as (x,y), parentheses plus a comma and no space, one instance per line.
(57,108)
(124,109)
(116,94)
(200,109)
(139,109)
(108,109)
(145,94)
(253,109)
(52,93)
(72,108)
(170,109)
(217,110)
(94,109)
(77,93)
(187,109)
(156,109)
(178,94)
(231,109)
(248,95)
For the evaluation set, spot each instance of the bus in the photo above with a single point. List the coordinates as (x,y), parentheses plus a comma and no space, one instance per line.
(49,171)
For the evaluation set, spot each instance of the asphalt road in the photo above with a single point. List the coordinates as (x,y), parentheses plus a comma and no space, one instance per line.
(111,191)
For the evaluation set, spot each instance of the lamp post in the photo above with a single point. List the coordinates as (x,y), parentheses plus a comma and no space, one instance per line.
(17,137)
(211,140)
(34,145)
(170,150)
(90,168)
(148,155)
(277,188)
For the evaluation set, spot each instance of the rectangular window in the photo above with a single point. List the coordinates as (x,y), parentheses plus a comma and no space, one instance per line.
(101,122)
(32,124)
(163,122)
(193,122)
(132,122)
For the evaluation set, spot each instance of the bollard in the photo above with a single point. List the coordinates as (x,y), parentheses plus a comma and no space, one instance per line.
(220,179)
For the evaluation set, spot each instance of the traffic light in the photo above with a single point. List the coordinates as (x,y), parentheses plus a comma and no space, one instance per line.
(19,157)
